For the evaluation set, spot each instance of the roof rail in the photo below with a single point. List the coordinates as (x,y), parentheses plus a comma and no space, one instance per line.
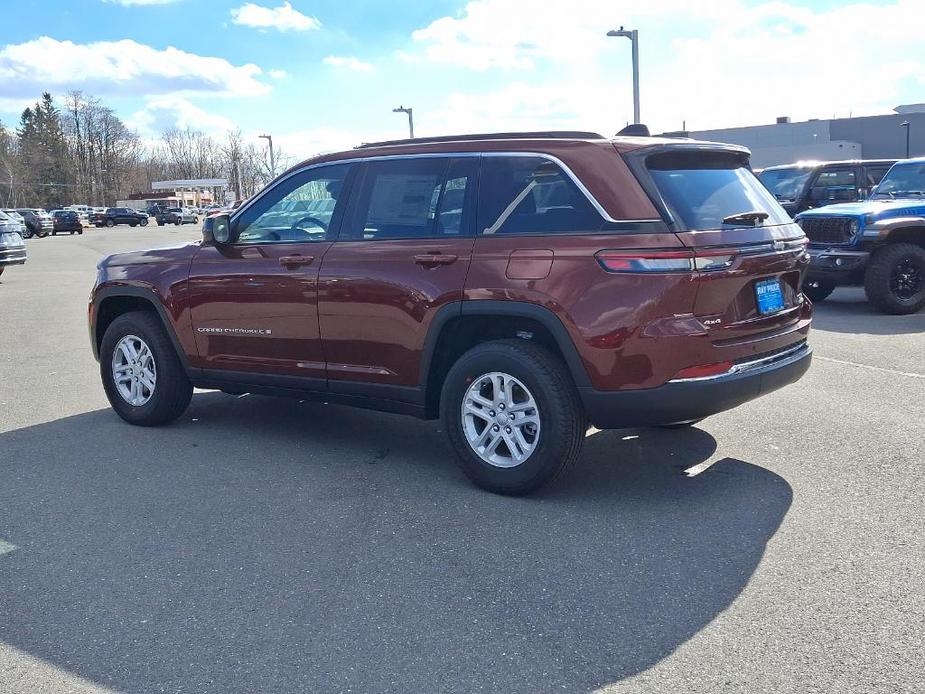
(541,135)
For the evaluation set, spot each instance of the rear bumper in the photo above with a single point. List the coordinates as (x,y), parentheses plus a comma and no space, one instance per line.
(836,265)
(687,400)
(13,256)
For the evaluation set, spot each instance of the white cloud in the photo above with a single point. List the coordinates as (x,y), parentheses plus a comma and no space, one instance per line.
(350,63)
(731,62)
(161,113)
(508,34)
(283,18)
(120,68)
(278,74)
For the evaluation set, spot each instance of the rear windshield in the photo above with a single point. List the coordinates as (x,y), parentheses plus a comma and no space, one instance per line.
(785,184)
(709,190)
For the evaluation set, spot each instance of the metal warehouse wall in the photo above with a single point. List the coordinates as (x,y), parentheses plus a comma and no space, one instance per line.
(881,137)
(871,137)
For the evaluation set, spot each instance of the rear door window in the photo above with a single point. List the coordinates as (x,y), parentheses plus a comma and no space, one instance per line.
(428,197)
(532,195)
(712,190)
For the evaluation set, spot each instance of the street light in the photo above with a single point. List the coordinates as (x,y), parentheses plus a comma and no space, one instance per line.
(905,124)
(269,138)
(632,35)
(402,109)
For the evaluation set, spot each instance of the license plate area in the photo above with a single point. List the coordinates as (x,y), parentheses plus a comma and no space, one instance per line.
(769,296)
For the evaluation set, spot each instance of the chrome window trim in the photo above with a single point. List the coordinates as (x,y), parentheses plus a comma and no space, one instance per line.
(451,155)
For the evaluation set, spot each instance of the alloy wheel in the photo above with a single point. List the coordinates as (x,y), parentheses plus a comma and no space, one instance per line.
(906,280)
(134,372)
(500,420)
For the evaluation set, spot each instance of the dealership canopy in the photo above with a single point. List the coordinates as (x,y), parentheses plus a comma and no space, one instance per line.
(190,183)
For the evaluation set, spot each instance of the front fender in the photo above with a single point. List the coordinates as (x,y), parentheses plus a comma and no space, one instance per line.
(881,230)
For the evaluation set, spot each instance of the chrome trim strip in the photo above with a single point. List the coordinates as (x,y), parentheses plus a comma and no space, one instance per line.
(784,358)
(431,155)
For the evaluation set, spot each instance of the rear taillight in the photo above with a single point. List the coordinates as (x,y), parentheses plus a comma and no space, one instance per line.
(646,261)
(666,261)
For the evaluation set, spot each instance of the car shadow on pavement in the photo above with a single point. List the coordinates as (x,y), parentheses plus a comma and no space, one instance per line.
(265,545)
(848,311)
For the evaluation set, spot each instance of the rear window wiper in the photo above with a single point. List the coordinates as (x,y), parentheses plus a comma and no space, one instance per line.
(742,218)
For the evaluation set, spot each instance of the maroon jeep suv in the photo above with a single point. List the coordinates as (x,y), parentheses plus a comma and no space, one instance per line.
(519,286)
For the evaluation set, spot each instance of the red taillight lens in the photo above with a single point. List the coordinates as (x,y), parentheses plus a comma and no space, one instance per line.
(646,261)
(704,370)
(666,261)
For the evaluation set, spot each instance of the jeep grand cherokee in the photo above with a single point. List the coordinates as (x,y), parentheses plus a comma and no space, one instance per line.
(519,286)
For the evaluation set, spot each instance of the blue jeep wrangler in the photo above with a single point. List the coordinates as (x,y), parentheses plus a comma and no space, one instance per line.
(879,242)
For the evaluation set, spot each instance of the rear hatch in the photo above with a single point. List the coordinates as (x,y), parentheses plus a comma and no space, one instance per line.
(748,254)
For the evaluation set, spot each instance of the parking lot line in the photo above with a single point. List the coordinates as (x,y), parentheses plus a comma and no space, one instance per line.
(908,374)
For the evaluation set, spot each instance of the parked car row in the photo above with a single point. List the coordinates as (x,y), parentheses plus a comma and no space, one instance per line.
(865,222)
(12,246)
(34,221)
(807,185)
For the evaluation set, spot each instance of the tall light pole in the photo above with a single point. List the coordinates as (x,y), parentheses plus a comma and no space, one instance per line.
(402,109)
(269,138)
(905,124)
(632,35)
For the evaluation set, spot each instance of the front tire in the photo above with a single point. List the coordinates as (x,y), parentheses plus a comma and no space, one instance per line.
(512,416)
(142,375)
(110,223)
(895,279)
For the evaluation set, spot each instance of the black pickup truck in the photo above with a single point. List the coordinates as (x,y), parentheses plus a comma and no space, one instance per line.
(120,215)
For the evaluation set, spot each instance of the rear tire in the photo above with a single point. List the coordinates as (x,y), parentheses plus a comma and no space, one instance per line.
(525,373)
(110,223)
(818,290)
(895,279)
(172,388)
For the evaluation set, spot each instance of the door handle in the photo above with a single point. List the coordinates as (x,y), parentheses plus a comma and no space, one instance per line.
(295,260)
(435,259)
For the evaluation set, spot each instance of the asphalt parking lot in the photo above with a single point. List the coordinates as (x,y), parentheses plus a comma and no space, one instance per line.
(262,545)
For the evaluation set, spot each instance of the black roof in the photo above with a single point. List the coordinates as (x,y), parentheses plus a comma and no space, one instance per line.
(540,135)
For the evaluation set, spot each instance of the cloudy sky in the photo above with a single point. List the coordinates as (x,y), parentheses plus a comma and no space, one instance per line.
(325,74)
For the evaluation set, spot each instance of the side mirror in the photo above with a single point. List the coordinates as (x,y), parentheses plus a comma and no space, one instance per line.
(216,230)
